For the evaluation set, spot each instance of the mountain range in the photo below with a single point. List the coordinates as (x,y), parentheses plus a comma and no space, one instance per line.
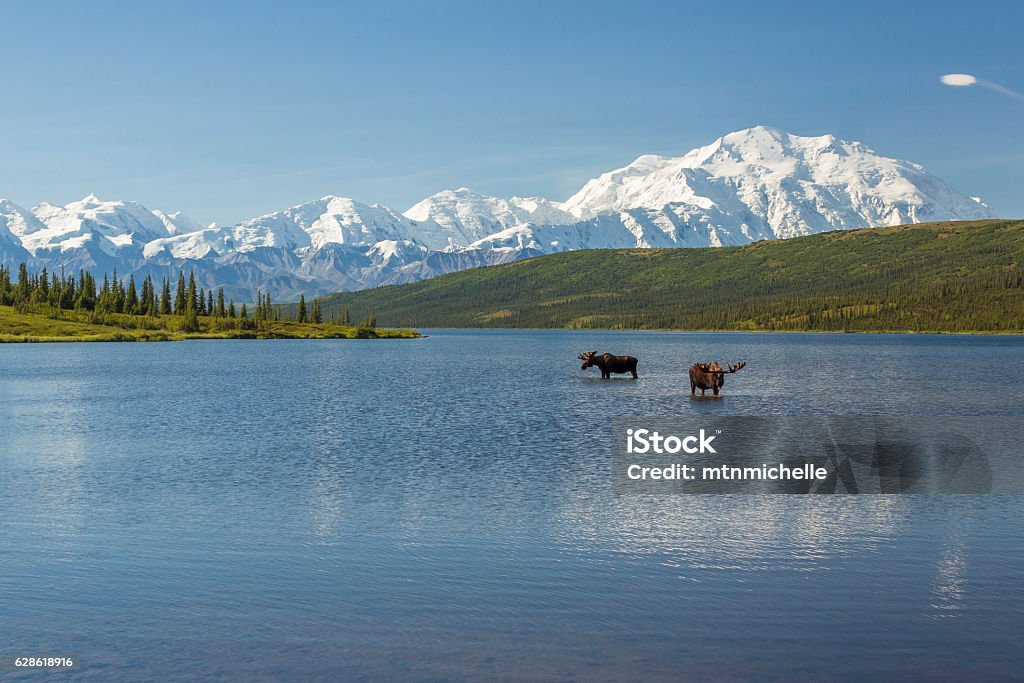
(754,184)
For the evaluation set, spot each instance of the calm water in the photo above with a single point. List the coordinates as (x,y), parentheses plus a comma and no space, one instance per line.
(440,509)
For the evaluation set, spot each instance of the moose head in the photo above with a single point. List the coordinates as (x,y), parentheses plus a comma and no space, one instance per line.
(588,359)
(711,375)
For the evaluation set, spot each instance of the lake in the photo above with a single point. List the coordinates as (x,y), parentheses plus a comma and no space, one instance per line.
(441,509)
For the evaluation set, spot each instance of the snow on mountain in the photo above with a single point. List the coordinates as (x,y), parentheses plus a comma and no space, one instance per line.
(674,225)
(625,188)
(402,251)
(178,223)
(190,245)
(469,216)
(787,184)
(328,220)
(334,220)
(14,222)
(109,226)
(754,184)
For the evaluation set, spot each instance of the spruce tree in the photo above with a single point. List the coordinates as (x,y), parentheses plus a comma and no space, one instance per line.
(67,291)
(131,299)
(152,304)
(80,291)
(220,302)
(103,300)
(24,290)
(345,319)
(300,316)
(316,316)
(180,302)
(192,295)
(165,298)
(146,303)
(119,294)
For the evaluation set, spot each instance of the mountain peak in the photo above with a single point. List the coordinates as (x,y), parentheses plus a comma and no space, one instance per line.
(459,193)
(758,131)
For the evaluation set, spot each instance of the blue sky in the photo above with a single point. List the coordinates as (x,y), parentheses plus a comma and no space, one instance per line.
(228,110)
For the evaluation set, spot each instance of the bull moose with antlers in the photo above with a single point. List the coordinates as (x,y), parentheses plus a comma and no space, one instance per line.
(711,376)
(608,363)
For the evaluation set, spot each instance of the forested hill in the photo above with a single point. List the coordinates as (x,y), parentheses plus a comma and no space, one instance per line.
(964,276)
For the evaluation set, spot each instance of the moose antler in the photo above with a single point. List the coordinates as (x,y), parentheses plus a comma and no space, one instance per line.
(586,354)
(715,369)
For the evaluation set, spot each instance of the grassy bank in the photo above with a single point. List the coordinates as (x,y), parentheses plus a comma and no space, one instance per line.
(938,277)
(71,326)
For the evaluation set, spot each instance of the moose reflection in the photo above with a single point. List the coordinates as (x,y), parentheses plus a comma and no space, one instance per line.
(608,363)
(711,376)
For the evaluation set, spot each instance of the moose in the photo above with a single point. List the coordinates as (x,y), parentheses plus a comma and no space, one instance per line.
(711,376)
(608,363)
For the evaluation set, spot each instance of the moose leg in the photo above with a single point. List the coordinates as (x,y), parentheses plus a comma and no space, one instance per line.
(693,388)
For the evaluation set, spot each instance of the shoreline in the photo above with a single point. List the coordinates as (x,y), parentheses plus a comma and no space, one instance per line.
(78,326)
(410,333)
(379,333)
(1005,333)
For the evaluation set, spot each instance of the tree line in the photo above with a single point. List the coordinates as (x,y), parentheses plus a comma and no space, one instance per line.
(314,314)
(31,292)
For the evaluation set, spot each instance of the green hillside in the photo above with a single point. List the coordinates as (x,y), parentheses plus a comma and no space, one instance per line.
(950,277)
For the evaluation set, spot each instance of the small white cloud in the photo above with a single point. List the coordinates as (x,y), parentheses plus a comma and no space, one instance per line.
(965,80)
(958,80)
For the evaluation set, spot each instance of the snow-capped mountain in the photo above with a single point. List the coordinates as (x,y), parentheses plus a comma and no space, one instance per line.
(790,185)
(754,184)
(178,223)
(328,220)
(90,233)
(113,225)
(469,216)
(14,222)
(674,225)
